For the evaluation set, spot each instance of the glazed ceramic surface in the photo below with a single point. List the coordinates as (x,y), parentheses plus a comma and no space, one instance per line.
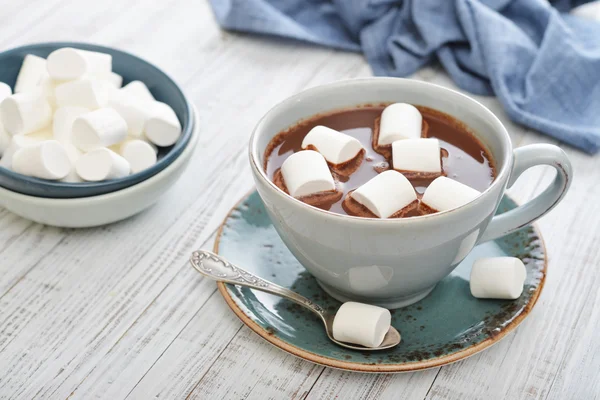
(396,262)
(444,327)
(101,209)
(131,68)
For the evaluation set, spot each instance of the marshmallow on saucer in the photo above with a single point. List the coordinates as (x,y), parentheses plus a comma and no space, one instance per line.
(23,113)
(32,72)
(417,156)
(63,122)
(399,121)
(87,93)
(101,164)
(498,278)
(162,126)
(139,90)
(306,173)
(335,146)
(46,160)
(99,128)
(361,324)
(5,91)
(386,194)
(445,194)
(68,63)
(139,153)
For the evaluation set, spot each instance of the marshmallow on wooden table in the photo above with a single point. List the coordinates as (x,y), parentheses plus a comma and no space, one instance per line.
(306,173)
(445,194)
(336,147)
(497,278)
(68,63)
(5,91)
(99,128)
(399,121)
(139,154)
(101,164)
(32,72)
(46,160)
(18,142)
(418,157)
(162,126)
(62,124)
(386,194)
(361,324)
(89,93)
(139,90)
(23,113)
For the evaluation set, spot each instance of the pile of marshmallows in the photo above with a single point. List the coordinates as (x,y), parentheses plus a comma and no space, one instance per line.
(307,173)
(491,278)
(70,120)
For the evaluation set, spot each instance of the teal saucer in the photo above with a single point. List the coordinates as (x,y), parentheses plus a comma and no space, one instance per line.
(446,326)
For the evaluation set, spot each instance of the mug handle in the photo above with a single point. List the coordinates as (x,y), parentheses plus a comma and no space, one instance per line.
(524,158)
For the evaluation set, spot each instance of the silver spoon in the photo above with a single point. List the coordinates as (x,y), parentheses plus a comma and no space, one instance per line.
(216,267)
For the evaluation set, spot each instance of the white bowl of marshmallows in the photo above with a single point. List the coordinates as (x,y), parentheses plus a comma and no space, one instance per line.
(88,135)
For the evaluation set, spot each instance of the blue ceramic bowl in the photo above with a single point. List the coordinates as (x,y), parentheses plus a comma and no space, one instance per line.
(130,68)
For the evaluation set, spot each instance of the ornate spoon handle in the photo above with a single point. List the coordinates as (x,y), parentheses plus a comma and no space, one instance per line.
(215,267)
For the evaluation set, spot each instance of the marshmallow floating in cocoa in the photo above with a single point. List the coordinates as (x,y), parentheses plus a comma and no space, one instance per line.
(99,128)
(46,160)
(23,113)
(399,121)
(445,194)
(361,324)
(32,72)
(417,157)
(497,278)
(306,173)
(101,164)
(68,63)
(386,194)
(335,146)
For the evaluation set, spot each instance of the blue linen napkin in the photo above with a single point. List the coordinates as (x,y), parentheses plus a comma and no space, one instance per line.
(543,66)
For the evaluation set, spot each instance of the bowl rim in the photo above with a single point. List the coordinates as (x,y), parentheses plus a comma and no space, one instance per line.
(187,127)
(90,201)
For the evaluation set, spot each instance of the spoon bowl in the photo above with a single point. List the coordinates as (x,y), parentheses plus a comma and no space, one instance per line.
(216,267)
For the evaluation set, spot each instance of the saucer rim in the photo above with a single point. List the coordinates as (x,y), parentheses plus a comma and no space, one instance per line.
(379,368)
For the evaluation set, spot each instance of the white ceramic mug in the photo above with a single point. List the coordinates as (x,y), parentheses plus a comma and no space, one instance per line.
(396,262)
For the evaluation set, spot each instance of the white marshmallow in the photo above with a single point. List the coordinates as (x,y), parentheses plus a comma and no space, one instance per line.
(18,142)
(399,121)
(68,63)
(46,160)
(100,128)
(62,124)
(335,146)
(114,79)
(361,324)
(139,154)
(139,90)
(87,93)
(386,194)
(445,194)
(73,153)
(5,91)
(32,72)
(306,173)
(497,278)
(5,139)
(417,155)
(134,111)
(101,164)
(162,126)
(23,113)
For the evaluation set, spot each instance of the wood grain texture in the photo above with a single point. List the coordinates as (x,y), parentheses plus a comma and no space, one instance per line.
(116,312)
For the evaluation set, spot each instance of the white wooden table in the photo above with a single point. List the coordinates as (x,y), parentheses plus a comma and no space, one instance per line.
(117,312)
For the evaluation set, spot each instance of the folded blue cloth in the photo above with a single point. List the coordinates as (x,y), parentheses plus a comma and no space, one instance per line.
(543,66)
